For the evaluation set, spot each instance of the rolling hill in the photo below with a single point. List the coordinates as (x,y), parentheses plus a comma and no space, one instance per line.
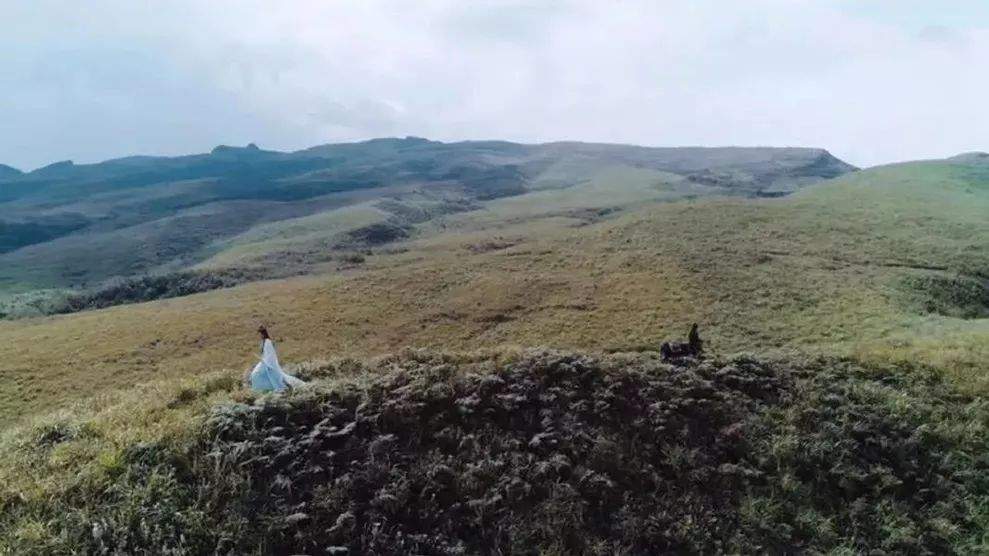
(69,228)
(9,172)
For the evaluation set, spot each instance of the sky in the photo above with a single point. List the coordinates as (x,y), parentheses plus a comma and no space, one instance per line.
(873,81)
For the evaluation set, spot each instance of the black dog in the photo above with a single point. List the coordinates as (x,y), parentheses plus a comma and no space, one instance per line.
(693,347)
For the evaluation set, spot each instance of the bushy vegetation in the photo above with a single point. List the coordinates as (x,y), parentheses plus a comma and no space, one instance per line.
(378,234)
(147,288)
(32,303)
(534,452)
(14,235)
(122,291)
(958,296)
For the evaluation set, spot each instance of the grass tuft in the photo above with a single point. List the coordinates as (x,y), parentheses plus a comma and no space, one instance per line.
(528,451)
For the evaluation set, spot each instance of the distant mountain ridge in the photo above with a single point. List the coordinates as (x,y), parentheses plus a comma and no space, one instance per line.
(487,169)
(7,172)
(671,158)
(975,157)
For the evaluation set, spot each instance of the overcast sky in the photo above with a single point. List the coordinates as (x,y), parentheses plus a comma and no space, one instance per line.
(873,81)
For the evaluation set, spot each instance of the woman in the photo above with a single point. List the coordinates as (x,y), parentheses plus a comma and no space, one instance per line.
(267,374)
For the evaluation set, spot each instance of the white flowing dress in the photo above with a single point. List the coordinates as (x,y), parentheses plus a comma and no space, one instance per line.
(268,374)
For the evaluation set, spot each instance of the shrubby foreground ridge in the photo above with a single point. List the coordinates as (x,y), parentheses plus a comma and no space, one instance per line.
(514,452)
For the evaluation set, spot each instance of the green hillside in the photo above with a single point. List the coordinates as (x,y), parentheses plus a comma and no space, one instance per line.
(69,230)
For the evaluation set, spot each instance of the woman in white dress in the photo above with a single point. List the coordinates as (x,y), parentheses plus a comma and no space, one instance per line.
(268,374)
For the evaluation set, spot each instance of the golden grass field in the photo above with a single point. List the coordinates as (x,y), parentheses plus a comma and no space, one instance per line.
(816,271)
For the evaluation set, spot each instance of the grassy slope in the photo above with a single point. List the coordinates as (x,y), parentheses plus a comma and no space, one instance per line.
(819,271)
(294,235)
(166,243)
(531,452)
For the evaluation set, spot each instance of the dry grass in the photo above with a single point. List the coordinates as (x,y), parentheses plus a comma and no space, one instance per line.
(528,451)
(816,271)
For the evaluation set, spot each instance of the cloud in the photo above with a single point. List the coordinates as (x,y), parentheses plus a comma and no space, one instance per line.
(94,80)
